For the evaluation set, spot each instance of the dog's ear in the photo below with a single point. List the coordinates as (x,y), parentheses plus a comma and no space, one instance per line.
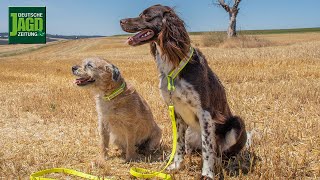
(173,38)
(115,73)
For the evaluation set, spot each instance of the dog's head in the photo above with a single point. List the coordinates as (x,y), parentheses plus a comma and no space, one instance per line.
(96,71)
(148,24)
(159,24)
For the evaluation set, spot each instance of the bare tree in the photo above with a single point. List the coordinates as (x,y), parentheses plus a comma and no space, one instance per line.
(233,12)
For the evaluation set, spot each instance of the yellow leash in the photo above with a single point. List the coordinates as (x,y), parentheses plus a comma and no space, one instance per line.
(39,175)
(134,171)
(145,173)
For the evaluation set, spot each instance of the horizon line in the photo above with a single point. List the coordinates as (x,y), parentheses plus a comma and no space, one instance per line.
(241,30)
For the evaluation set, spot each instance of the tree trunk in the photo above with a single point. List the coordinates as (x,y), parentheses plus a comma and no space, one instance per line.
(232,25)
(233,12)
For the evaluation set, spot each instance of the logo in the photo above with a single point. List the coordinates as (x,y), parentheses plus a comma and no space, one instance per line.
(27,25)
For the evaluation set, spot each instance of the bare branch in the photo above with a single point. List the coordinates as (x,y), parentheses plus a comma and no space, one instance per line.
(224,5)
(236,4)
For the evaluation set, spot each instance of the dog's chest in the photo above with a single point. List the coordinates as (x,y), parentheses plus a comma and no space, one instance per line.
(184,98)
(106,112)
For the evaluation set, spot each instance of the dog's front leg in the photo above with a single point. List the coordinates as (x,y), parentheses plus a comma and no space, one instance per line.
(104,137)
(131,153)
(207,126)
(178,158)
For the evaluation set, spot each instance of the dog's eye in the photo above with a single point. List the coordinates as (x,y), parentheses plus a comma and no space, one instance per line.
(147,17)
(89,66)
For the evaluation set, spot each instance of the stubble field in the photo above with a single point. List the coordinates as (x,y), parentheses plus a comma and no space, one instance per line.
(46,121)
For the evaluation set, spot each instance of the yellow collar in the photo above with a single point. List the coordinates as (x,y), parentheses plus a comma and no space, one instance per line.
(174,73)
(115,93)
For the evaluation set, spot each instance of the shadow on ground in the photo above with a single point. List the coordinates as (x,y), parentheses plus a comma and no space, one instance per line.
(243,164)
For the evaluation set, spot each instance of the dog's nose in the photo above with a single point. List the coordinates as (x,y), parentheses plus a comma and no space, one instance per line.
(123,21)
(74,68)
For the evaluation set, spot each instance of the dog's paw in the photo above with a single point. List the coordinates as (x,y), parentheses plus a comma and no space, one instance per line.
(205,178)
(131,158)
(103,156)
(99,162)
(174,166)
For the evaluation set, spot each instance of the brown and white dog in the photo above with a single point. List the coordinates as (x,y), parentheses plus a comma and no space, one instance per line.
(126,120)
(199,98)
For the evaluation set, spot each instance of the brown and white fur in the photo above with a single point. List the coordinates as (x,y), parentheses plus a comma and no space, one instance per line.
(199,99)
(126,120)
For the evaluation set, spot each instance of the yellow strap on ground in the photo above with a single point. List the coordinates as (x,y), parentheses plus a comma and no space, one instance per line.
(145,173)
(39,175)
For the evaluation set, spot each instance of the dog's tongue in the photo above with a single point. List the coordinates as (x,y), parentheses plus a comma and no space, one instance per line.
(140,37)
(80,81)
(77,81)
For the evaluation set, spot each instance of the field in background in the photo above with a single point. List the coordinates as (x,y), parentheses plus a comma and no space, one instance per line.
(267,31)
(46,121)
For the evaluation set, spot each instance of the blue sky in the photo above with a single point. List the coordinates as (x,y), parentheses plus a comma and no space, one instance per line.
(97,17)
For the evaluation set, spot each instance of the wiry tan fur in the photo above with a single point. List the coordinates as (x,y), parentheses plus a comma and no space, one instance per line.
(126,120)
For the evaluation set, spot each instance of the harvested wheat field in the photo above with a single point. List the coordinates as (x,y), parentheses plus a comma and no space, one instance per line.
(46,121)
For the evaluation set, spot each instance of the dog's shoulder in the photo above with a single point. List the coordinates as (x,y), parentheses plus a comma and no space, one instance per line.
(204,80)
(197,71)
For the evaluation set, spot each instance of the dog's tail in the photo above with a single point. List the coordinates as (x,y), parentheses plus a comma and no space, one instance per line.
(236,124)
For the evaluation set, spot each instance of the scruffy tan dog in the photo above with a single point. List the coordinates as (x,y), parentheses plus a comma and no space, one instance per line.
(125,118)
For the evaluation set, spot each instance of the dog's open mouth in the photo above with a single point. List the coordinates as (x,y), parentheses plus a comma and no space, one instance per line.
(84,81)
(140,37)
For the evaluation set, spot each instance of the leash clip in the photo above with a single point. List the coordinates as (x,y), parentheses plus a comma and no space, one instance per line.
(170,98)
